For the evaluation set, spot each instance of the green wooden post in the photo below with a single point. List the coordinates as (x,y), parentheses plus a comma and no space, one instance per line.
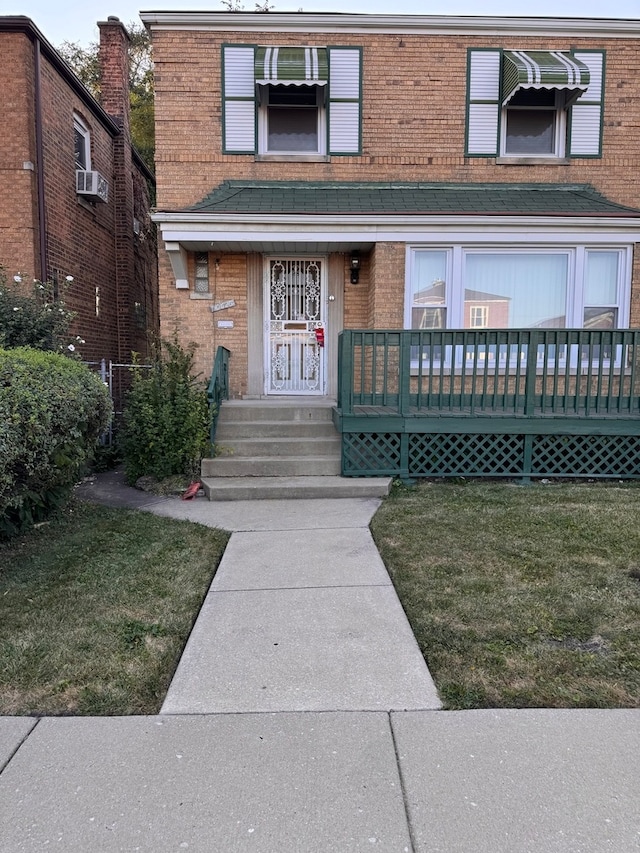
(345,372)
(404,380)
(530,381)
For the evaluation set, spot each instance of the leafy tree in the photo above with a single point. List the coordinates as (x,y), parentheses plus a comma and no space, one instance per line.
(238,6)
(85,63)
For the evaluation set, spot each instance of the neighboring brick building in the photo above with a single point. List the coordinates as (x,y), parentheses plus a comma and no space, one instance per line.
(75,193)
(371,171)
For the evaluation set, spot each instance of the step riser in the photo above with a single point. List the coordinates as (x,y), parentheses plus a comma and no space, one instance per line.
(280,448)
(264,467)
(239,490)
(293,414)
(273,429)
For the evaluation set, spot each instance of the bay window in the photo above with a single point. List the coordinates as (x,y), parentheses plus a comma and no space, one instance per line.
(516,288)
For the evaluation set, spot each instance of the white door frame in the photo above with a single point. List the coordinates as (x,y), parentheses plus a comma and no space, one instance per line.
(295,362)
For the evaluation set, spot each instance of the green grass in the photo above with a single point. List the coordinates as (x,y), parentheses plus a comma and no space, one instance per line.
(95,609)
(520,596)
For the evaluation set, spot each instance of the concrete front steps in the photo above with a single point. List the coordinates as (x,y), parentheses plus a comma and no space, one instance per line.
(281,448)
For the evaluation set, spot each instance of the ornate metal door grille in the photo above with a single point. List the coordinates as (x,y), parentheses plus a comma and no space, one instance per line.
(295,310)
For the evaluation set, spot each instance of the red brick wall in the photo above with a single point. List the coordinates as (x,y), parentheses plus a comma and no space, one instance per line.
(413,115)
(80,236)
(18,213)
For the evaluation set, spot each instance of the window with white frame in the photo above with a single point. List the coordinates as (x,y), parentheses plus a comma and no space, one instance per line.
(82,144)
(478,316)
(518,287)
(291,101)
(534,124)
(291,120)
(534,103)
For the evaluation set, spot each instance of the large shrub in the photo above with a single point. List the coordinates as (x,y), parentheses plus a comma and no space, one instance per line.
(52,412)
(166,417)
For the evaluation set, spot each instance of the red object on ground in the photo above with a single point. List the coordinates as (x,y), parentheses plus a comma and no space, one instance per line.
(192,491)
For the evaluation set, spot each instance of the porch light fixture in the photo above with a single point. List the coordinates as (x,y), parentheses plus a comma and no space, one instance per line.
(354,266)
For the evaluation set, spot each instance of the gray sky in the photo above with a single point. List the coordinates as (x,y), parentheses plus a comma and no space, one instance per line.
(75,20)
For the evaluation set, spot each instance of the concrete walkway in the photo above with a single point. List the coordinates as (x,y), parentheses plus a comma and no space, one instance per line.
(302,718)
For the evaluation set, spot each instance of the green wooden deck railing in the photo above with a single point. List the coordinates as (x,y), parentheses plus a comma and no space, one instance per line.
(520,372)
(490,402)
(218,389)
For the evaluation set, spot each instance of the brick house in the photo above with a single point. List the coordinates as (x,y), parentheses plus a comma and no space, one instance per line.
(328,172)
(79,193)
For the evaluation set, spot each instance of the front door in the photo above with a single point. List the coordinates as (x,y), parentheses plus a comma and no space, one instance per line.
(295,326)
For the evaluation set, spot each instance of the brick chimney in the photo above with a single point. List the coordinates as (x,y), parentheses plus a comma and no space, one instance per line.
(114,70)
(114,97)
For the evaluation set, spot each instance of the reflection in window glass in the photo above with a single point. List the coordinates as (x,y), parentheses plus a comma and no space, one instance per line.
(600,318)
(428,318)
(523,290)
(429,290)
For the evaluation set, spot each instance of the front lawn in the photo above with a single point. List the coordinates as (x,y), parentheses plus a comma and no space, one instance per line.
(520,596)
(95,609)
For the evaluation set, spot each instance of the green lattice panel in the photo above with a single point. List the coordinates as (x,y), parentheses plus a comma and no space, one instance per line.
(450,455)
(370,453)
(586,456)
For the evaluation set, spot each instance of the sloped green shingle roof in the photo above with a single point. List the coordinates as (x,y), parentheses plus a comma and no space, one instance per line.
(303,197)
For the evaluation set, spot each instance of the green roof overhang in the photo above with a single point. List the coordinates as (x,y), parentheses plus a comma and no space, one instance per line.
(543,69)
(308,198)
(291,66)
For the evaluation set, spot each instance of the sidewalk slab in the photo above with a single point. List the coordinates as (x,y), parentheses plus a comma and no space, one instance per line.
(524,781)
(254,783)
(271,515)
(13,730)
(109,489)
(300,558)
(323,649)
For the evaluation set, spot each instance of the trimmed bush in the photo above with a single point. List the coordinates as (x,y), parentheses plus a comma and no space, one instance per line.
(166,417)
(52,412)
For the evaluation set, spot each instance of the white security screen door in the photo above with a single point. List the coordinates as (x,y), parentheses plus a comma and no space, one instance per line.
(295,326)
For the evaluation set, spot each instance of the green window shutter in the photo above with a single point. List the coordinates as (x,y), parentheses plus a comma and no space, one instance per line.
(345,100)
(586,115)
(238,100)
(483,103)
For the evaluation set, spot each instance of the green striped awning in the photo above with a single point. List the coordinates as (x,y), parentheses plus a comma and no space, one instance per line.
(543,69)
(291,66)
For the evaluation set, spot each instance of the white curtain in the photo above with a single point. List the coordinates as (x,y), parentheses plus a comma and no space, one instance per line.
(520,290)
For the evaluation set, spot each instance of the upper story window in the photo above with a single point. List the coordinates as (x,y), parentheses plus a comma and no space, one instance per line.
(534,104)
(534,125)
(82,144)
(291,120)
(291,102)
(537,89)
(291,84)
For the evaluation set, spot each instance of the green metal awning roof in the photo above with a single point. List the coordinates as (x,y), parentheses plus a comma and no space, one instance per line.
(309,198)
(291,66)
(543,69)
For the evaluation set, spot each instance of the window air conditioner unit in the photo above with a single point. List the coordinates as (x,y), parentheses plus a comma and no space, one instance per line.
(92,185)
